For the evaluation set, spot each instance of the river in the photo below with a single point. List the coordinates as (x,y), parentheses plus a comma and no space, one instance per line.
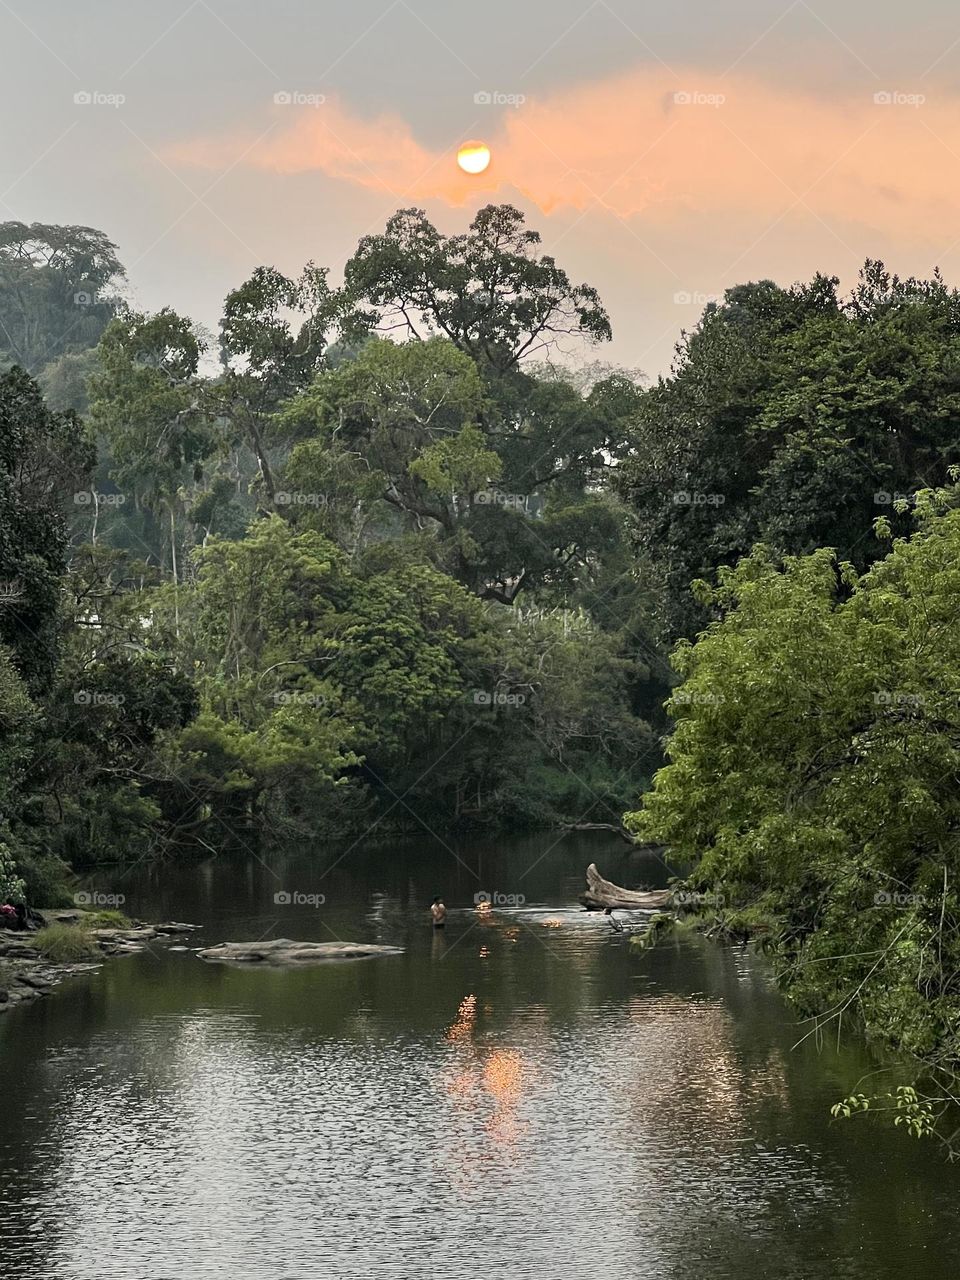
(521,1095)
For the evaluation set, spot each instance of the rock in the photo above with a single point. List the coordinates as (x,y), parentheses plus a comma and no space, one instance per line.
(143,934)
(17,951)
(282,951)
(37,980)
(176,926)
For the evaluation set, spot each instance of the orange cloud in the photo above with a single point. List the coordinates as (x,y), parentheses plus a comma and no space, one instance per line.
(650,143)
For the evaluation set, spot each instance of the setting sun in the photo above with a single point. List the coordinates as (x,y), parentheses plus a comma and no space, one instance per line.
(473,157)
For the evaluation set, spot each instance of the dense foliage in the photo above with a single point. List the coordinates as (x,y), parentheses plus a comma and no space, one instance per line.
(330,583)
(812,777)
(793,417)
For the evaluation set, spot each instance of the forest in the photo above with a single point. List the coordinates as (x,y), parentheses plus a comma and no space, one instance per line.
(403,554)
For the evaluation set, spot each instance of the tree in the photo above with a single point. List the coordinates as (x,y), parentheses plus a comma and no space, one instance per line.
(101,780)
(304,666)
(147,401)
(507,491)
(11,885)
(792,418)
(58,291)
(20,718)
(265,360)
(487,291)
(45,459)
(811,776)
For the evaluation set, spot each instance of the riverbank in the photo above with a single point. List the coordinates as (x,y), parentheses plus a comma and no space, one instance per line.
(26,973)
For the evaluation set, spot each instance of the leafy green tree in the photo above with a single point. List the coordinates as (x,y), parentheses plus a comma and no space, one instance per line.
(574,747)
(45,458)
(20,718)
(811,777)
(147,402)
(303,667)
(793,418)
(102,777)
(508,491)
(265,358)
(368,422)
(11,885)
(487,291)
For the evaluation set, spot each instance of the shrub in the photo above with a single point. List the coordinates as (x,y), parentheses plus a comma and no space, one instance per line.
(63,943)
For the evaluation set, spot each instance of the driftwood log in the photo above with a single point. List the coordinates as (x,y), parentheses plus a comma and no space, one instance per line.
(603,895)
(279,951)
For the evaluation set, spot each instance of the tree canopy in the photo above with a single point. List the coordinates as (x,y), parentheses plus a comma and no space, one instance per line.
(793,417)
(487,290)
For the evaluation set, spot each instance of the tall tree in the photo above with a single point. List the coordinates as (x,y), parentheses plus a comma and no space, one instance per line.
(272,340)
(488,290)
(58,291)
(45,458)
(148,402)
(506,491)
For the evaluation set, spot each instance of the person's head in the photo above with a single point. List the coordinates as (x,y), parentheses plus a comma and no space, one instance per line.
(436,902)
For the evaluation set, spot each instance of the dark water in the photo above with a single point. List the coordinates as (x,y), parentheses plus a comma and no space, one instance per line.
(522,1095)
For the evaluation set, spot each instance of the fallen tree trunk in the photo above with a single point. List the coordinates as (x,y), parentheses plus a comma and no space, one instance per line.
(603,895)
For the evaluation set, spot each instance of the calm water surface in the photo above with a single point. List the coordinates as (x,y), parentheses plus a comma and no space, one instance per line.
(522,1095)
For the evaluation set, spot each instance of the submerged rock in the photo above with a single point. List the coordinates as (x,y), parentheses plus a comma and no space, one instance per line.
(283,951)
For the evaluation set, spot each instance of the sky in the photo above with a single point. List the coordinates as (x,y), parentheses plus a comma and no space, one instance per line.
(664,152)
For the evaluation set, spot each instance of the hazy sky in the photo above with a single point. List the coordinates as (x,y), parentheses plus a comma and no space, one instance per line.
(664,151)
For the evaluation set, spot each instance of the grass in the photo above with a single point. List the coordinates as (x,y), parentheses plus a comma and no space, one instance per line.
(108,919)
(65,943)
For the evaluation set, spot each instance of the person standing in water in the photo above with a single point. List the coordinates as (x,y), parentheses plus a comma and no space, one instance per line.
(439,913)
